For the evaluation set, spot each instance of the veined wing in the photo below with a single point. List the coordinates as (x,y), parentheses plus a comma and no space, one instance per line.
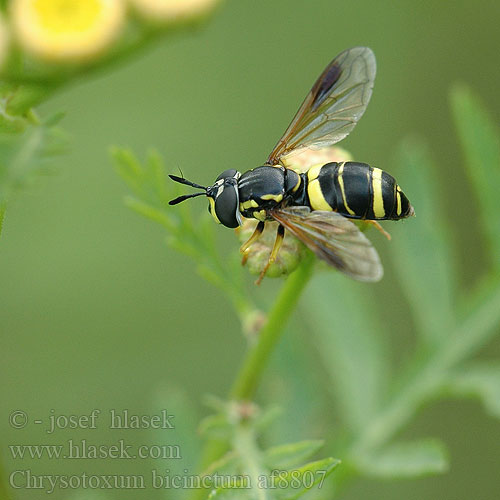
(334,239)
(334,105)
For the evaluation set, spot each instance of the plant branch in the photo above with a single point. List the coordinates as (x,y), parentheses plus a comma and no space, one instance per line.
(247,380)
(256,358)
(33,88)
(427,378)
(245,443)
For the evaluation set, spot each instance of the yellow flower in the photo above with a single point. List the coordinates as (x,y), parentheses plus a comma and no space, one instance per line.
(173,10)
(66,30)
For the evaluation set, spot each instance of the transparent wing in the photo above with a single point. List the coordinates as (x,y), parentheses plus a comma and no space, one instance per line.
(334,239)
(334,105)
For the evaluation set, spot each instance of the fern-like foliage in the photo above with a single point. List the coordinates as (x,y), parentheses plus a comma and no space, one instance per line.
(29,144)
(452,324)
(280,472)
(191,236)
(28,153)
(28,148)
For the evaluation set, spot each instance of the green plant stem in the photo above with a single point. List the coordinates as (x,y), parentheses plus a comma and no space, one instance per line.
(256,358)
(35,89)
(245,443)
(248,378)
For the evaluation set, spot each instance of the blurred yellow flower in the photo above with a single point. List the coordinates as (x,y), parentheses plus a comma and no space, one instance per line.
(65,30)
(173,10)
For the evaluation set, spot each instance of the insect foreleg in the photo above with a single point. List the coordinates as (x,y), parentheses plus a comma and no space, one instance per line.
(255,236)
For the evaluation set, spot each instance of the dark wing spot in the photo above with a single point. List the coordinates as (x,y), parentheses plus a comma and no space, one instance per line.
(324,84)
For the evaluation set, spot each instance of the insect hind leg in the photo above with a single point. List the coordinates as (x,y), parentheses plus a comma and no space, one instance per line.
(377,225)
(280,234)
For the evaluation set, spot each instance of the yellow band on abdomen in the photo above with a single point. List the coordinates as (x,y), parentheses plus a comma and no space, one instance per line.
(378,200)
(342,189)
(316,198)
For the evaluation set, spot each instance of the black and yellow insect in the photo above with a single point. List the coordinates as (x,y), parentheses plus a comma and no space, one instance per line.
(316,205)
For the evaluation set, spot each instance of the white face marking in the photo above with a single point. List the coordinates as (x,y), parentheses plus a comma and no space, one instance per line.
(238,217)
(238,213)
(237,175)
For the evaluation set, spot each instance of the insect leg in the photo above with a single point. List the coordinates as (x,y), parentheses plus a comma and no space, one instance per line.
(375,224)
(274,253)
(255,236)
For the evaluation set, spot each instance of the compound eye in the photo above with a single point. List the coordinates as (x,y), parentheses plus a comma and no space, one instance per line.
(227,206)
(227,173)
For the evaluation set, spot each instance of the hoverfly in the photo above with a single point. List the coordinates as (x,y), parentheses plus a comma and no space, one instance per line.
(316,205)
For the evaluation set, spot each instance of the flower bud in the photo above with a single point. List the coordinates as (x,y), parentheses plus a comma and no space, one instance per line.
(256,257)
(305,159)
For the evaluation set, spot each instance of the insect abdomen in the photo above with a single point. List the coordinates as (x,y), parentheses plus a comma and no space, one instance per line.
(357,191)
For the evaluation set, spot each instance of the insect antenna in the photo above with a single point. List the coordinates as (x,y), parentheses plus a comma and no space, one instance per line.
(184,197)
(181,180)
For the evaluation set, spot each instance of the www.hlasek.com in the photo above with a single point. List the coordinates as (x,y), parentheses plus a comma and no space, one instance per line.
(82,449)
(26,479)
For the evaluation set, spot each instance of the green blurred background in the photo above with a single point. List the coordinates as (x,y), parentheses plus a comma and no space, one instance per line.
(97,312)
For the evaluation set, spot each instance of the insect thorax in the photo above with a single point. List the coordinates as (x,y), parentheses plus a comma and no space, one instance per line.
(263,188)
